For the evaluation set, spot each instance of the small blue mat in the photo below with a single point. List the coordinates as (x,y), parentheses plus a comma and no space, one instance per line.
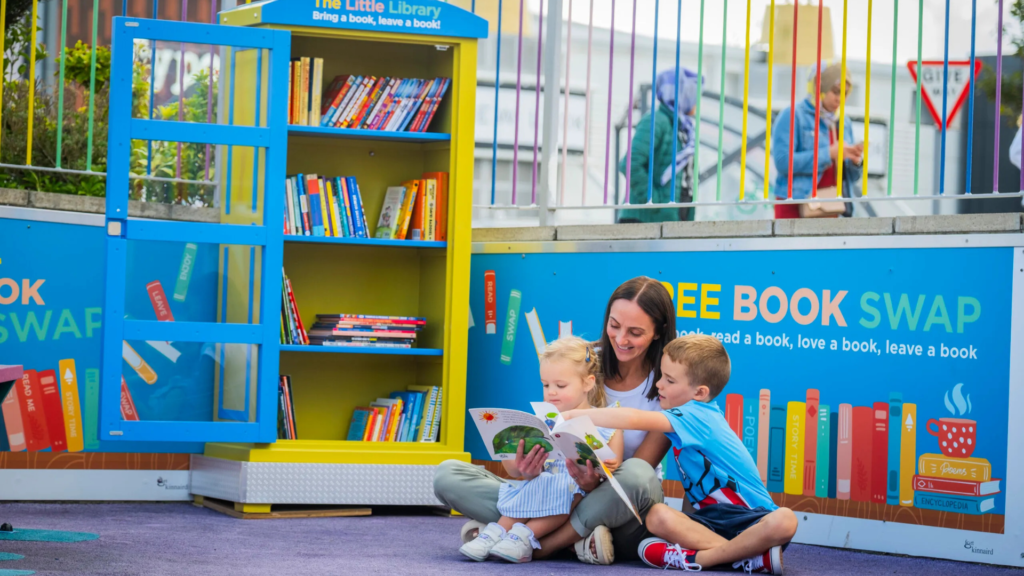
(10,556)
(16,572)
(47,536)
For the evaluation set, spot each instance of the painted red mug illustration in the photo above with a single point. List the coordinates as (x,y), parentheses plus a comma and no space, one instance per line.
(957,436)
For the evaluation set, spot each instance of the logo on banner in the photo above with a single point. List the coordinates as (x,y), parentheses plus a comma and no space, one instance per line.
(933,80)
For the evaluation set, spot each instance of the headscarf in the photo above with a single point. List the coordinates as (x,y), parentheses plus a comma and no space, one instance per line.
(665,90)
(830,78)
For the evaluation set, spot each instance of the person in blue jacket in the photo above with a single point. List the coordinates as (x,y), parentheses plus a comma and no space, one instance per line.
(828,146)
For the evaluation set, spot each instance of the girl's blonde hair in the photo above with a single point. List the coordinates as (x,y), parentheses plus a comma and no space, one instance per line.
(581,353)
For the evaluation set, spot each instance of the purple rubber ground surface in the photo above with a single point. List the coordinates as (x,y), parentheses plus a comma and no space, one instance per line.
(158,539)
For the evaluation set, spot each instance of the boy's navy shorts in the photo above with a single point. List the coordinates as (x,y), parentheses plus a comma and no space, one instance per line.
(728,520)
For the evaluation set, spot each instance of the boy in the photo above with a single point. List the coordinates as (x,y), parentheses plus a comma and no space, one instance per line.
(735,521)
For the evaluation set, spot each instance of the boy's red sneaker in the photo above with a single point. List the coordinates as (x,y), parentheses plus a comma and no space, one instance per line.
(659,553)
(768,563)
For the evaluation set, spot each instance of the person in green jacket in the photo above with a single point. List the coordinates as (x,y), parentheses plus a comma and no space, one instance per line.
(667,139)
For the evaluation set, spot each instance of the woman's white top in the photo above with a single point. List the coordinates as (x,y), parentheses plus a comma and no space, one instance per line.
(635,398)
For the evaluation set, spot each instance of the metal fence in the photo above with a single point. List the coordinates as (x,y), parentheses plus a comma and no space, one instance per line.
(733,162)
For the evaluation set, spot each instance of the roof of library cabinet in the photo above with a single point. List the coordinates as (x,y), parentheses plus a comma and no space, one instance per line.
(425,17)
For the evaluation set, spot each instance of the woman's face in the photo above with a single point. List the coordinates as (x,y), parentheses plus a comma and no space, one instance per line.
(630,330)
(830,101)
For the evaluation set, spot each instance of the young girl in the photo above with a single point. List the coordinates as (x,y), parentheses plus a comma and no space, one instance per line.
(533,508)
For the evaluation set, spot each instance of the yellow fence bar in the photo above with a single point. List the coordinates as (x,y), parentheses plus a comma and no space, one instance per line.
(31,81)
(746,105)
(768,116)
(842,111)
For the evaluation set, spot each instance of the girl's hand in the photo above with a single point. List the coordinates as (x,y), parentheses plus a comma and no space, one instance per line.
(531,464)
(586,478)
(612,464)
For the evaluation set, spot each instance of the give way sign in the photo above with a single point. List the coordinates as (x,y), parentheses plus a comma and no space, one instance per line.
(932,82)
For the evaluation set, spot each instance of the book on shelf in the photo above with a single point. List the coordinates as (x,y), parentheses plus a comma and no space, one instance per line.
(33,420)
(411,415)
(324,207)
(286,428)
(366,332)
(941,466)
(362,102)
(387,224)
(292,329)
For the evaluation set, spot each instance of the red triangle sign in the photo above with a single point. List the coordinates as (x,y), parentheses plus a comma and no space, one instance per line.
(932,84)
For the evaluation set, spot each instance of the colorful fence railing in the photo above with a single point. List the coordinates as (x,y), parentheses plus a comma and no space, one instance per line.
(710,126)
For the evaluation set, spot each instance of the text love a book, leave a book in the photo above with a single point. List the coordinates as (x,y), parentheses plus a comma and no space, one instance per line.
(577,440)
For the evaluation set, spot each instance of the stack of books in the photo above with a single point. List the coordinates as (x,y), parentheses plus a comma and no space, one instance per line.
(382,103)
(410,416)
(416,210)
(949,484)
(324,206)
(292,329)
(286,410)
(365,330)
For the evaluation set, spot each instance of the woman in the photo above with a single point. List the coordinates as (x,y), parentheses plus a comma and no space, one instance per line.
(828,147)
(639,320)
(666,137)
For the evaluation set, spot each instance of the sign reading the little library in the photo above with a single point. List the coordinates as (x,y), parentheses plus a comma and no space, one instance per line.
(403,16)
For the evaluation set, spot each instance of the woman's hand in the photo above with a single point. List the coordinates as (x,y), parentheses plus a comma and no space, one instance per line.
(531,464)
(854,153)
(586,478)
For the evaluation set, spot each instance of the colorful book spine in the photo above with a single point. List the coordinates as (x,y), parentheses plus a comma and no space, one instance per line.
(795,437)
(750,437)
(51,400)
(810,441)
(12,421)
(438,411)
(316,92)
(777,450)
(833,453)
(33,419)
(72,405)
(958,504)
(763,435)
(940,466)
(863,423)
(437,104)
(337,117)
(908,453)
(295,92)
(879,451)
(430,213)
(358,214)
(734,413)
(408,204)
(304,78)
(892,480)
(358,424)
(824,446)
(844,452)
(347,197)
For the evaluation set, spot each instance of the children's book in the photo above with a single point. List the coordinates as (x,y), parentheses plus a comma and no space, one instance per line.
(405,217)
(32,417)
(577,439)
(387,225)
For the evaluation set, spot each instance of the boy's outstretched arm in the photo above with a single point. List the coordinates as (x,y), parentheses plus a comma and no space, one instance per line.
(624,419)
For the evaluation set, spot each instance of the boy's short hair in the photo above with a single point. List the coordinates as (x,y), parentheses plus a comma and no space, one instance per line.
(705,359)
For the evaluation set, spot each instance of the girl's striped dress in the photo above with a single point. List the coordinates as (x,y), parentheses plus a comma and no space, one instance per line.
(549,494)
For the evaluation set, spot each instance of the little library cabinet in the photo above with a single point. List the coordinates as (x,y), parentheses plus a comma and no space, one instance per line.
(346,274)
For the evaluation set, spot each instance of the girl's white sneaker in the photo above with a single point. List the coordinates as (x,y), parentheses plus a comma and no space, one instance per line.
(517,546)
(478,548)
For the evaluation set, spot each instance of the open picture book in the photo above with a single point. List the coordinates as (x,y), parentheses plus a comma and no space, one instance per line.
(577,440)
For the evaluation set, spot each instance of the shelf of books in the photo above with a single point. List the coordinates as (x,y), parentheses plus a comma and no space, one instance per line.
(376,253)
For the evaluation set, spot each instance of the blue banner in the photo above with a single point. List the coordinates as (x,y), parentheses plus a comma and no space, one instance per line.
(879,375)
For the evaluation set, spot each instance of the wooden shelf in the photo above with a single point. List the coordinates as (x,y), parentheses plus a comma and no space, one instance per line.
(366,242)
(364,350)
(338,452)
(355,134)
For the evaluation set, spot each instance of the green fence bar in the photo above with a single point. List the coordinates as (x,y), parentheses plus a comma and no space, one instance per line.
(60,84)
(92,82)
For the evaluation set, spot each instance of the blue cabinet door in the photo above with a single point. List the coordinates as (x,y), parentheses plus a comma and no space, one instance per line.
(194,212)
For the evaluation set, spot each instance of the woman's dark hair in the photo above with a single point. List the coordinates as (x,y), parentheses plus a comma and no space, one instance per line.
(652,297)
